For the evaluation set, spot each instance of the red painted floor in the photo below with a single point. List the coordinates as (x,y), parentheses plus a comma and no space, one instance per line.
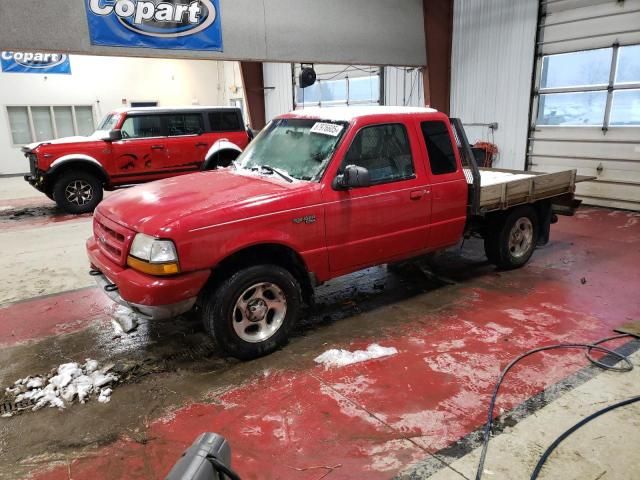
(371,420)
(42,317)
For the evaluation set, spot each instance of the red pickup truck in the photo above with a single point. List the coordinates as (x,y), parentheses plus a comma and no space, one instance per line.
(134,145)
(318,194)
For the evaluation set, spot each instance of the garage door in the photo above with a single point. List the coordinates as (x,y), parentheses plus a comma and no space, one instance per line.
(586,101)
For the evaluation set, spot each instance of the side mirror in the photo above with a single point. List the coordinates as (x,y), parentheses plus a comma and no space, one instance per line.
(114,136)
(352,177)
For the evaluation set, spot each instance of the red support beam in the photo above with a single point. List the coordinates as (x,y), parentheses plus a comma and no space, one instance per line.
(253,81)
(438,29)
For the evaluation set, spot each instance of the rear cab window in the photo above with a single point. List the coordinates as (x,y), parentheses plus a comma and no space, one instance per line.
(440,150)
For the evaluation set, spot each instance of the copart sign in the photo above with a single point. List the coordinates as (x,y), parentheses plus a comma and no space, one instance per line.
(35,62)
(172,24)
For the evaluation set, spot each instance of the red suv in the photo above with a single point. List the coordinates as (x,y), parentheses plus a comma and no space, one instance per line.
(135,146)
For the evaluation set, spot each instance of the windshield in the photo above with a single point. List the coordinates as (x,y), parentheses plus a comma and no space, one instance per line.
(299,148)
(109,122)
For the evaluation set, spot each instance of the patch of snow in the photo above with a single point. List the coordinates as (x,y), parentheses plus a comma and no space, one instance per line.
(68,382)
(125,318)
(340,358)
(105,395)
(490,177)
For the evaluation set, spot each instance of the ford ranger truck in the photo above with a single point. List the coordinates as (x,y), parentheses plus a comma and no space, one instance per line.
(132,146)
(318,194)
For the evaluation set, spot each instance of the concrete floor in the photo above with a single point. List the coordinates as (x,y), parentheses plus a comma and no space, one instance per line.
(412,415)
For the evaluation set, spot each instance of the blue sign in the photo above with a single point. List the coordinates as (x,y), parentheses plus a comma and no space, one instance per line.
(168,24)
(35,62)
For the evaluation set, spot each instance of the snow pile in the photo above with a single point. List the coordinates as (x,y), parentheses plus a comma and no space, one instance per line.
(340,358)
(69,382)
(124,320)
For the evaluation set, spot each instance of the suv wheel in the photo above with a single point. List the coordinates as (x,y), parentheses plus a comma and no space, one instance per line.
(511,242)
(251,313)
(77,192)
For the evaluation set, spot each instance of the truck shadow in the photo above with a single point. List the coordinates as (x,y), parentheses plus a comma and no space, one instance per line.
(182,343)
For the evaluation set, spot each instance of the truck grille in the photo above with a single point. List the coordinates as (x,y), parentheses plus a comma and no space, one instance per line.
(113,239)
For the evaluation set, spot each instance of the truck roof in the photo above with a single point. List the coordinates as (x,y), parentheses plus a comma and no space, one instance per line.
(190,108)
(348,114)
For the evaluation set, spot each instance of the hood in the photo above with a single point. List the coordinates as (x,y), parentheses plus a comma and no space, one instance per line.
(58,141)
(204,198)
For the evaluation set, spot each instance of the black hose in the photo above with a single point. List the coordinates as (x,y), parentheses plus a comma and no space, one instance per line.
(582,422)
(220,467)
(589,348)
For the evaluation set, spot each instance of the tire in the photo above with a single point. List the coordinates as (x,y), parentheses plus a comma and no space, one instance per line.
(510,242)
(77,192)
(230,323)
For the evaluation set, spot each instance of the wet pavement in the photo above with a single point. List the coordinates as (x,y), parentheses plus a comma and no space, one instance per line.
(283,414)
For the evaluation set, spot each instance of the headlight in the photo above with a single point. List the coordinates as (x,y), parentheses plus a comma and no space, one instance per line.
(153,256)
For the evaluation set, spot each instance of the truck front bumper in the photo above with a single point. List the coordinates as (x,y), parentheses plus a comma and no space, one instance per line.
(152,297)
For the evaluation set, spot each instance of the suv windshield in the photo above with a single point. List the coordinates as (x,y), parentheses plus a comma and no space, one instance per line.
(108,122)
(299,148)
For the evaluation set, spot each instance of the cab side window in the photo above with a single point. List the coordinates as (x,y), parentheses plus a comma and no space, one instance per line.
(184,124)
(225,121)
(439,147)
(384,150)
(142,126)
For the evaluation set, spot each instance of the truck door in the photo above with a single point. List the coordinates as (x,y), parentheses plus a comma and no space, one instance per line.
(142,150)
(388,219)
(448,184)
(186,142)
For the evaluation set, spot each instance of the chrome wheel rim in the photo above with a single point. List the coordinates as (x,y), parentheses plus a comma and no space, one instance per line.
(259,312)
(79,192)
(521,237)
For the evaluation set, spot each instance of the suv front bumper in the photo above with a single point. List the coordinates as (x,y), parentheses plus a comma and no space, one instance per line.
(152,297)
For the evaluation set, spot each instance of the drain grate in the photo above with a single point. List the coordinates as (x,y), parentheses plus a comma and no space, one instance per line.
(14,407)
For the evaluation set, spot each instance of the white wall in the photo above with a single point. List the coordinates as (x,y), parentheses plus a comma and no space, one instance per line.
(278,94)
(404,86)
(491,69)
(107,83)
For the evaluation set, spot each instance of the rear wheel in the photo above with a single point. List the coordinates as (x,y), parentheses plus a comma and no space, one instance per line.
(77,192)
(251,313)
(510,243)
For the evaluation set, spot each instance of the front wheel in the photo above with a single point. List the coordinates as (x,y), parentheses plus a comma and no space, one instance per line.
(251,313)
(77,192)
(510,243)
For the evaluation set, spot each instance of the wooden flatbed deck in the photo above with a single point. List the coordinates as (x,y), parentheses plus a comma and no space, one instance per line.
(501,189)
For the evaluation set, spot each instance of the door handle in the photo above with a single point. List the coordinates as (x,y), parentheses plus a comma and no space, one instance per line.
(201,144)
(157,147)
(417,194)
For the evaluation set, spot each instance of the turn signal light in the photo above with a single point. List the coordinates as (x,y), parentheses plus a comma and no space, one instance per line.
(159,269)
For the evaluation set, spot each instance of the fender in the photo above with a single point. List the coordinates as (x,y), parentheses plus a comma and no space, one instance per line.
(60,162)
(218,146)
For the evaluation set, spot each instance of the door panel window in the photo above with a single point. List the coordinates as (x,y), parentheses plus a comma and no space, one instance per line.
(64,121)
(42,123)
(384,150)
(19,122)
(143,126)
(187,124)
(439,147)
(84,119)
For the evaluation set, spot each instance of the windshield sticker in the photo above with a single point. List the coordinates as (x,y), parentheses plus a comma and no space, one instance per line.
(331,129)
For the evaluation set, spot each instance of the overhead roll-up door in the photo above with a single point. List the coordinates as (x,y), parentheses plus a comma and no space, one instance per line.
(586,102)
